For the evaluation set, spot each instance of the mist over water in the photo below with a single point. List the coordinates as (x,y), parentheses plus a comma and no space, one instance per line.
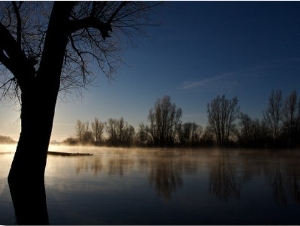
(165,186)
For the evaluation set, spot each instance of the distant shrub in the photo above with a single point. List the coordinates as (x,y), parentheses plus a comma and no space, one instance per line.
(70,141)
(6,140)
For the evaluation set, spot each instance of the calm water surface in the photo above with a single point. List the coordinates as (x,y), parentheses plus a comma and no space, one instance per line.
(164,186)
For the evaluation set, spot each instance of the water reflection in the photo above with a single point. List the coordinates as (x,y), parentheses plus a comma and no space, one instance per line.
(81,165)
(96,166)
(224,181)
(294,186)
(284,179)
(228,171)
(119,166)
(114,165)
(294,181)
(138,186)
(276,180)
(166,176)
(165,170)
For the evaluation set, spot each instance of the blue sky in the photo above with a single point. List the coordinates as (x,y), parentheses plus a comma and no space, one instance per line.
(200,50)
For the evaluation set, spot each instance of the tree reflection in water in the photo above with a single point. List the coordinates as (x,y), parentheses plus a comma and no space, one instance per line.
(96,166)
(228,171)
(89,164)
(82,164)
(116,165)
(119,165)
(277,183)
(166,175)
(224,181)
(295,188)
(267,177)
(284,178)
(294,182)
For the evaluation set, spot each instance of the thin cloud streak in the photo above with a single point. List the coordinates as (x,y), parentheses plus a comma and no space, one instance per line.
(252,70)
(206,81)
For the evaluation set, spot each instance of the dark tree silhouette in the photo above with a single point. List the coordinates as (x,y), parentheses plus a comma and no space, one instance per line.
(251,132)
(43,53)
(164,119)
(81,130)
(221,116)
(291,118)
(190,133)
(120,133)
(97,131)
(47,47)
(273,114)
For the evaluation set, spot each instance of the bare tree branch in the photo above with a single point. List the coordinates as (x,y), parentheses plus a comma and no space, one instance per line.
(95,30)
(12,56)
(18,16)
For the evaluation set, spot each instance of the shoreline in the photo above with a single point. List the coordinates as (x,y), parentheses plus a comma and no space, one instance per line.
(68,153)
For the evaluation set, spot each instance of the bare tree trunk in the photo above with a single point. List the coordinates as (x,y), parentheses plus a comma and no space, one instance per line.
(37,113)
(38,100)
(26,176)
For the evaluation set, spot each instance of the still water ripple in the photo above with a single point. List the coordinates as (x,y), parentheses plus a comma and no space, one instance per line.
(166,186)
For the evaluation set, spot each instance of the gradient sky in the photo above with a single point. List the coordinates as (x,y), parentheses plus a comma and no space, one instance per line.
(200,50)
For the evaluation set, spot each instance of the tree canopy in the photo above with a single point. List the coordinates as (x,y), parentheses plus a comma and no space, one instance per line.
(25,26)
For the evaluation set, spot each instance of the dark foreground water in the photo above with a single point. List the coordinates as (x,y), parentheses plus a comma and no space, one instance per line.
(163,186)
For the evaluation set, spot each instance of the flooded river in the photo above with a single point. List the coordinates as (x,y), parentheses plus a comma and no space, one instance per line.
(165,186)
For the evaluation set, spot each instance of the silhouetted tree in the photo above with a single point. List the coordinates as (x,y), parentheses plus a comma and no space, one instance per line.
(79,129)
(119,132)
(87,135)
(97,131)
(245,134)
(207,138)
(144,137)
(6,140)
(190,133)
(112,131)
(164,119)
(128,135)
(273,114)
(221,116)
(47,47)
(70,141)
(83,134)
(251,132)
(291,118)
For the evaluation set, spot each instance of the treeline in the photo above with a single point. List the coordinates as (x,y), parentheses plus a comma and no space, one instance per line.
(6,140)
(227,125)
(119,133)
